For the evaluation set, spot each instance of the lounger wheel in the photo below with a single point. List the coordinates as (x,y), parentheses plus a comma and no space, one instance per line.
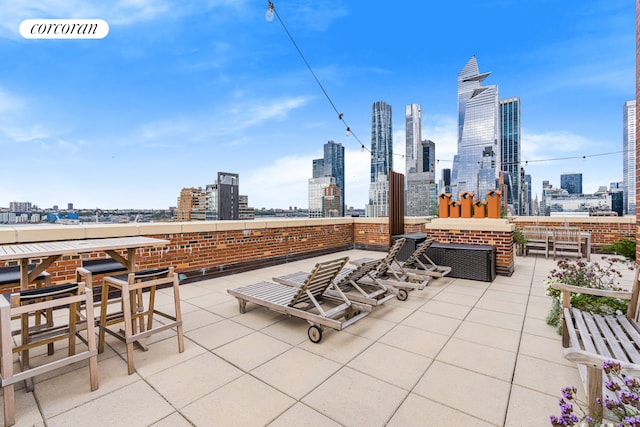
(314,333)
(402,294)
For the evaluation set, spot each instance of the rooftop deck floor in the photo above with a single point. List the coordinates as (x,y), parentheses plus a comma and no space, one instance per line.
(458,353)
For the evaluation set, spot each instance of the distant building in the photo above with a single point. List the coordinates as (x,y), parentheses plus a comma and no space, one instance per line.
(19,207)
(510,147)
(331,166)
(528,202)
(381,160)
(244,211)
(629,157)
(413,137)
(445,181)
(572,182)
(477,163)
(69,206)
(421,189)
(191,204)
(219,201)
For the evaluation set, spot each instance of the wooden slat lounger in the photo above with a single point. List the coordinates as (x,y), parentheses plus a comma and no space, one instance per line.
(307,301)
(415,263)
(349,282)
(391,273)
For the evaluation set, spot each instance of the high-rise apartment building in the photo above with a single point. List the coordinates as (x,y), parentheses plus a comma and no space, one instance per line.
(413,132)
(381,160)
(219,201)
(510,151)
(476,167)
(330,166)
(629,157)
(421,188)
(572,182)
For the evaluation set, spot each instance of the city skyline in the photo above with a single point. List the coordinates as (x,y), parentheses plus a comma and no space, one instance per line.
(176,92)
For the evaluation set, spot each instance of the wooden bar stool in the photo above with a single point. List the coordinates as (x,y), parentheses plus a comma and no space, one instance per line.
(70,295)
(130,287)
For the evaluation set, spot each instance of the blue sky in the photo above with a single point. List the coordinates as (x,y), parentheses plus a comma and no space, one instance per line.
(180,90)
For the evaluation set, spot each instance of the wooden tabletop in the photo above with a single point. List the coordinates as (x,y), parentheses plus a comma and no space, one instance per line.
(69,247)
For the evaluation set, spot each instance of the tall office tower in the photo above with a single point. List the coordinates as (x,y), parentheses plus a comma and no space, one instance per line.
(420,192)
(381,160)
(510,150)
(476,167)
(572,182)
(334,166)
(318,168)
(528,202)
(445,181)
(413,120)
(228,196)
(629,157)
(331,166)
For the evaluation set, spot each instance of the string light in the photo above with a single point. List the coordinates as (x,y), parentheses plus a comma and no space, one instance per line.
(271,12)
(526,162)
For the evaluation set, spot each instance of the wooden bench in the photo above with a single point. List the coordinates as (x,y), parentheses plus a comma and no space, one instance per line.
(590,339)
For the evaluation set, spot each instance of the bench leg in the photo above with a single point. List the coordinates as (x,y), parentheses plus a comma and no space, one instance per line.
(594,392)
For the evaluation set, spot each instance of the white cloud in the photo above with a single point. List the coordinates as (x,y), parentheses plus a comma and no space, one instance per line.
(281,184)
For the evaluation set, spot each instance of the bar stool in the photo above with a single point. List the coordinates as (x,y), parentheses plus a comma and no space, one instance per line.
(130,287)
(70,295)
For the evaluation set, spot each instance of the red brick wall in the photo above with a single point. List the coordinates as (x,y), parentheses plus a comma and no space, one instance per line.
(602,234)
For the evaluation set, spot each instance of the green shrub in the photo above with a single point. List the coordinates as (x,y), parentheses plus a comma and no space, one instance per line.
(624,247)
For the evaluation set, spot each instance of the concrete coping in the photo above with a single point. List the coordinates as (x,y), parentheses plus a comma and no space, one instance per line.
(473,224)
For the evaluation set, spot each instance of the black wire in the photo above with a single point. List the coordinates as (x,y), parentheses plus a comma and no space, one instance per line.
(333,105)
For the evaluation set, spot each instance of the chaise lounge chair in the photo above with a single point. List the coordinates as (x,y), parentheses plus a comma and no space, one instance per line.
(390,272)
(415,263)
(308,301)
(350,282)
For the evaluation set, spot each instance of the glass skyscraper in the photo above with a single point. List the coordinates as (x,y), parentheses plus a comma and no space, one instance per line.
(476,167)
(510,147)
(629,157)
(413,121)
(572,182)
(381,160)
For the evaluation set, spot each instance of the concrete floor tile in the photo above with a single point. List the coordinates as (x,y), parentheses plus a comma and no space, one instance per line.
(416,411)
(432,322)
(198,318)
(134,405)
(391,313)
(338,346)
(545,376)
(296,372)
(245,401)
(186,382)
(300,415)
(442,308)
(536,326)
(491,336)
(490,361)
(496,318)
(465,289)
(370,328)
(493,304)
(549,349)
(529,408)
(162,355)
(251,350)
(418,341)
(61,393)
(460,388)
(355,399)
(173,420)
(450,300)
(218,334)
(291,330)
(390,364)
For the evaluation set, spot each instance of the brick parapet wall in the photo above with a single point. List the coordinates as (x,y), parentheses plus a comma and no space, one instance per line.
(494,232)
(604,231)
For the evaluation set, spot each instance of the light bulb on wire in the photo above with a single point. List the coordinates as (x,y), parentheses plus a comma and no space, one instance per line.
(270,12)
(348,132)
